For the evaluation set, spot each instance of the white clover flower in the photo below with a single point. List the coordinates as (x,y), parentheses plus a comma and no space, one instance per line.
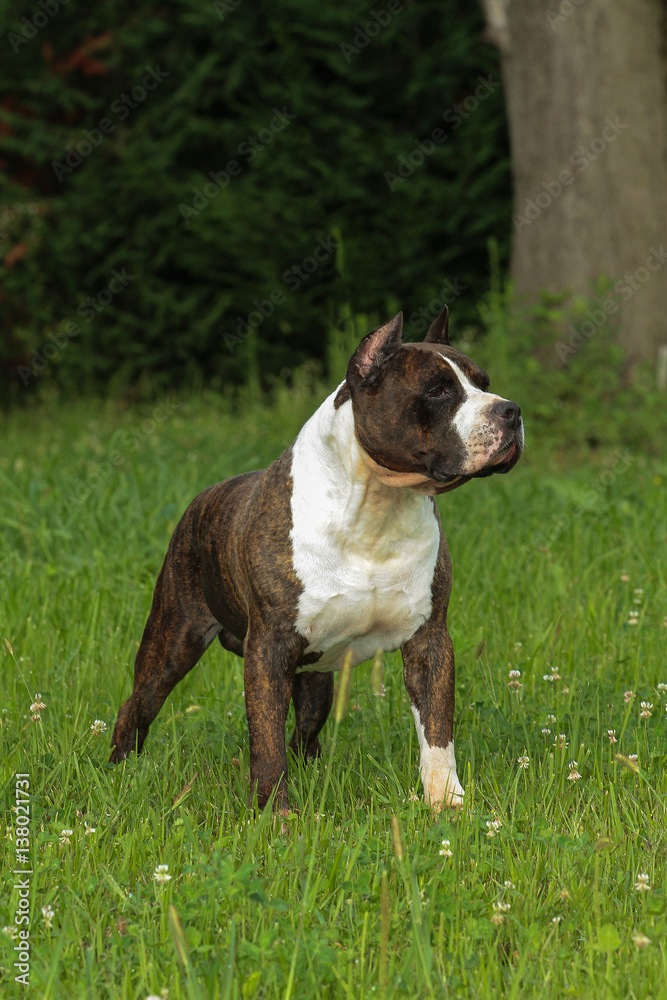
(413,797)
(89,829)
(523,762)
(640,940)
(444,850)
(48,914)
(546,732)
(646,707)
(611,733)
(556,920)
(10,931)
(98,727)
(642,883)
(499,909)
(65,835)
(662,688)
(508,884)
(548,677)
(561,742)
(493,825)
(551,720)
(514,684)
(38,704)
(161,873)
(627,697)
(555,675)
(573,775)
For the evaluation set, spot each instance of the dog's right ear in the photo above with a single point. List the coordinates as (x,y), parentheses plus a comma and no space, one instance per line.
(438,332)
(374,349)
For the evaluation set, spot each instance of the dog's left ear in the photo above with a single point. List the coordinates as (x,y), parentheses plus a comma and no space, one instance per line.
(438,332)
(374,349)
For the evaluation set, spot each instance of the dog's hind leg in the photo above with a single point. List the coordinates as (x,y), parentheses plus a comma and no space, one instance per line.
(179,629)
(312,696)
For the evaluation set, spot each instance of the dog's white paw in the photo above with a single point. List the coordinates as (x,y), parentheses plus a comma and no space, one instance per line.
(442,787)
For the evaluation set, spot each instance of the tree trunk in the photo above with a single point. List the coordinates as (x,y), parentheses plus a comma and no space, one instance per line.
(586,93)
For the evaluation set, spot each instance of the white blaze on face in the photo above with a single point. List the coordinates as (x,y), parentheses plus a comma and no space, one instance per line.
(480,434)
(438,771)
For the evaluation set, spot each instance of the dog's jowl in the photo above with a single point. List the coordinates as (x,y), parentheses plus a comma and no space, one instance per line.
(336,546)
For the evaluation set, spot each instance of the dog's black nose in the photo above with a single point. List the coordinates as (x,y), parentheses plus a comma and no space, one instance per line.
(506,410)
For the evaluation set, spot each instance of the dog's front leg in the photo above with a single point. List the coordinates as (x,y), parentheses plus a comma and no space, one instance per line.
(268,675)
(428,668)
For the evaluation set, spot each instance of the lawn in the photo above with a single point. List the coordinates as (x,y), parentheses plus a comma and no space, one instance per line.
(550,882)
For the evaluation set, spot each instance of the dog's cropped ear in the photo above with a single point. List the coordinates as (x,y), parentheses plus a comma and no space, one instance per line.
(374,349)
(438,332)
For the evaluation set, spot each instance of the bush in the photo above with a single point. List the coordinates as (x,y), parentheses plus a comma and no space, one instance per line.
(181,175)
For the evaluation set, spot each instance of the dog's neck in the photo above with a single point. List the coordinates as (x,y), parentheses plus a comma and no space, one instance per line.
(338,490)
(340,458)
(410,480)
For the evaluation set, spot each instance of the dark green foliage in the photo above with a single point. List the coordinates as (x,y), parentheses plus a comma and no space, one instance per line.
(236,70)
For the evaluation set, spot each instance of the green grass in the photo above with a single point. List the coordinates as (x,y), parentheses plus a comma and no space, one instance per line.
(331,905)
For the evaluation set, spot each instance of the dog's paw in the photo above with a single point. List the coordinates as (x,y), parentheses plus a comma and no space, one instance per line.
(442,788)
(452,800)
(443,791)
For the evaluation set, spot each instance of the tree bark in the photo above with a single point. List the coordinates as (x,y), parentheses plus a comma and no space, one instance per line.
(586,93)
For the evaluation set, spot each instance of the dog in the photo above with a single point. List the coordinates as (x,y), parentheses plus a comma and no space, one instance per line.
(335,550)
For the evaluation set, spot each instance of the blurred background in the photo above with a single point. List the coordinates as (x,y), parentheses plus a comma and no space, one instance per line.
(212,195)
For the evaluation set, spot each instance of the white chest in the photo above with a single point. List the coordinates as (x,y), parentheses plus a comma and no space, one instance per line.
(365,553)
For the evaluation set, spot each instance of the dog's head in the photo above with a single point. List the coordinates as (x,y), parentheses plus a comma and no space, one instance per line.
(423,413)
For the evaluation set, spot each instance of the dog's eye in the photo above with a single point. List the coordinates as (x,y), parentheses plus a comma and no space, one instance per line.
(439,392)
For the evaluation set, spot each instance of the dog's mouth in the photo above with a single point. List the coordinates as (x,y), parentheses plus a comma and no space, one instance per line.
(504,461)
(448,483)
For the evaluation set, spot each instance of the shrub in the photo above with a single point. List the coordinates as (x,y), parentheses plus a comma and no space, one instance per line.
(245,168)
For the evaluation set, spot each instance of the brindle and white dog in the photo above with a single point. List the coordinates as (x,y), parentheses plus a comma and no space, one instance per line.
(336,546)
